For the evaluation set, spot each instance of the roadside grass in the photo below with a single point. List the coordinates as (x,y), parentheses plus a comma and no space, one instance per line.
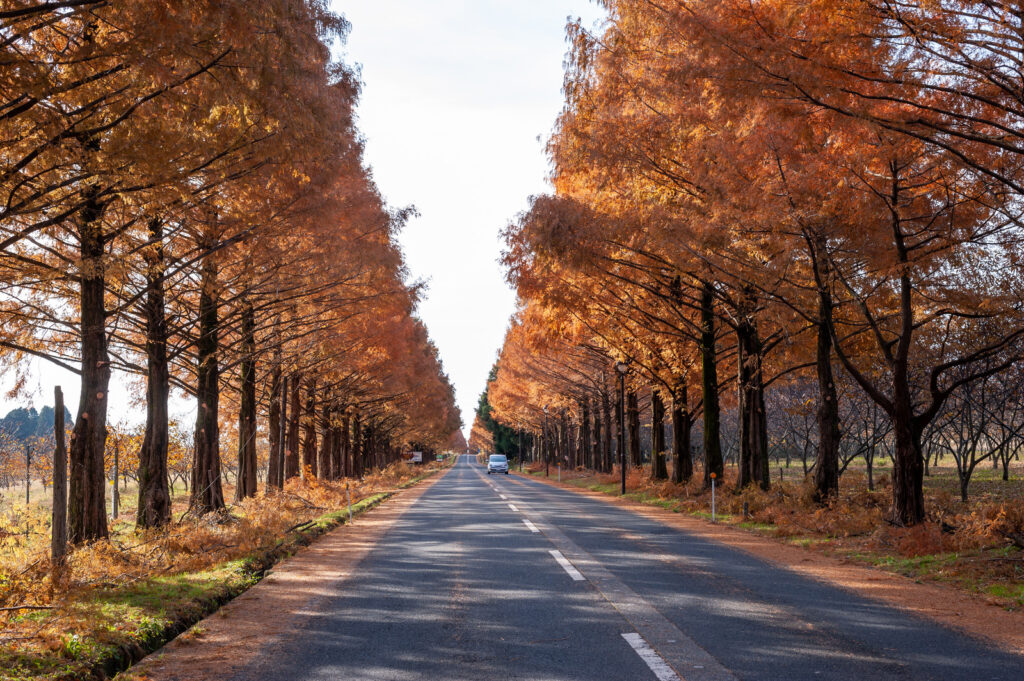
(966,545)
(118,600)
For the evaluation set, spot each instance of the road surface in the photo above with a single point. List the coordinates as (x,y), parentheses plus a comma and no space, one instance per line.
(500,578)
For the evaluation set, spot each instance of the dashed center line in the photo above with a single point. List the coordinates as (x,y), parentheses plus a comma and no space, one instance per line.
(651,658)
(566,565)
(533,528)
(513,507)
(661,645)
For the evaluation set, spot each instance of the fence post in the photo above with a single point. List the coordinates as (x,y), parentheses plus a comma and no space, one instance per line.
(59,524)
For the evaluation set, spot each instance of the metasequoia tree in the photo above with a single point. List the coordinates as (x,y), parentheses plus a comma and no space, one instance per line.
(799,175)
(185,200)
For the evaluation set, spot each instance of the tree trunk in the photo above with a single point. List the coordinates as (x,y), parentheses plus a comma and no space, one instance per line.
(154,507)
(346,449)
(282,465)
(907,468)
(207,491)
(620,429)
(753,458)
(826,472)
(369,448)
(633,426)
(326,443)
(659,467)
(357,447)
(908,465)
(546,447)
(607,442)
(337,448)
(869,461)
(87,505)
(276,426)
(682,471)
(709,387)
(291,462)
(309,432)
(587,459)
(245,485)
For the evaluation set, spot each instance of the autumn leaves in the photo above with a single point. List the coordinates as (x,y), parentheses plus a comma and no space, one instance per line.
(750,196)
(184,198)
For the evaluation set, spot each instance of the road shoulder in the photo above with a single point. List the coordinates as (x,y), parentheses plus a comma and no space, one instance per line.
(947,606)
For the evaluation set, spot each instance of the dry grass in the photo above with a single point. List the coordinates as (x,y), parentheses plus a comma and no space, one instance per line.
(970,546)
(128,590)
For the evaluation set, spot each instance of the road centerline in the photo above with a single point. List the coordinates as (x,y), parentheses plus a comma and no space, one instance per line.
(651,658)
(567,566)
(679,651)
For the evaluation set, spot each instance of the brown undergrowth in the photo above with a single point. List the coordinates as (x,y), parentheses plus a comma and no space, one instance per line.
(973,546)
(118,598)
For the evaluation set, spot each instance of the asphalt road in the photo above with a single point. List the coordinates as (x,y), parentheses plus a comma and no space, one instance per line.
(497,577)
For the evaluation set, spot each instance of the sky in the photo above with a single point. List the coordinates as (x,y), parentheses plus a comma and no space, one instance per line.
(458,99)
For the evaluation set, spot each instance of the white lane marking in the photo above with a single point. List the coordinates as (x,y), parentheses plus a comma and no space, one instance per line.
(651,658)
(503,497)
(533,528)
(513,507)
(566,565)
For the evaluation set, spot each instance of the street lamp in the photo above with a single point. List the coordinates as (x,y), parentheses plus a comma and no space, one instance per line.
(622,368)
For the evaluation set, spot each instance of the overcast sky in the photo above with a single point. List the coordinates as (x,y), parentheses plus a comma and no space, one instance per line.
(458,98)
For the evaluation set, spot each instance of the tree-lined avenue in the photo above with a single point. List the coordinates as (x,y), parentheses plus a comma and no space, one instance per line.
(460,588)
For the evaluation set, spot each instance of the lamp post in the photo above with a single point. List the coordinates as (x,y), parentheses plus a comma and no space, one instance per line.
(622,368)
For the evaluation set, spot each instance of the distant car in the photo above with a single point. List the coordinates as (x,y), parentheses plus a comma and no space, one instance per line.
(497,464)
